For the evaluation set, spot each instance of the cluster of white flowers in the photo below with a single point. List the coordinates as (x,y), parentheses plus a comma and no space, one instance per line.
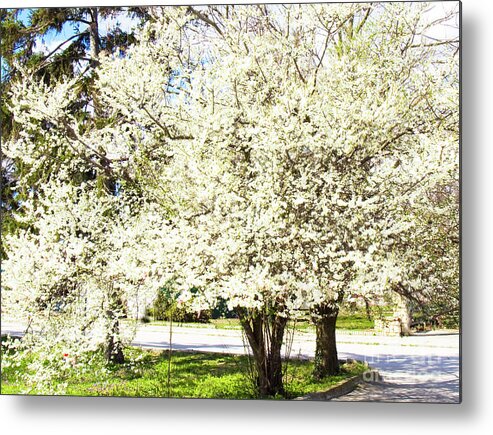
(286,157)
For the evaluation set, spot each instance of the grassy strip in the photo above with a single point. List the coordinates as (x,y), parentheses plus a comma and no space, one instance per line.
(352,322)
(193,375)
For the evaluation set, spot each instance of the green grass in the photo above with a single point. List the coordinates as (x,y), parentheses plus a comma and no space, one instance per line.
(355,321)
(226,323)
(213,323)
(346,321)
(193,375)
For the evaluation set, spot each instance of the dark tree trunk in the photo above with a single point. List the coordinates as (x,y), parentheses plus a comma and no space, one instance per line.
(326,361)
(265,335)
(368,309)
(114,346)
(94,41)
(94,50)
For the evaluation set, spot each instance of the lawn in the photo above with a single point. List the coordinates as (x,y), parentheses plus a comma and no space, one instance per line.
(193,375)
(356,321)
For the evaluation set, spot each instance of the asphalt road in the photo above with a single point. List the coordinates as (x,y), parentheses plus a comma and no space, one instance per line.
(420,368)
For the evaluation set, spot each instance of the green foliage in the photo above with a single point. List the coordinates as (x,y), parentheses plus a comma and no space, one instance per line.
(166,307)
(221,311)
(428,318)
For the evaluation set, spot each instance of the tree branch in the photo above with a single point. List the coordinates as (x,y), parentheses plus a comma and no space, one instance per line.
(205,19)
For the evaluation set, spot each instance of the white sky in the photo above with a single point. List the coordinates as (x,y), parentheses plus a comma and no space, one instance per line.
(449,29)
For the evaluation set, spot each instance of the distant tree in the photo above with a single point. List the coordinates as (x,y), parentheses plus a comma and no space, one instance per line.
(22,32)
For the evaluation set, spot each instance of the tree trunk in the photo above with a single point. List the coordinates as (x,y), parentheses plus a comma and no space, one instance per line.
(326,361)
(94,50)
(403,313)
(114,347)
(368,309)
(94,42)
(265,335)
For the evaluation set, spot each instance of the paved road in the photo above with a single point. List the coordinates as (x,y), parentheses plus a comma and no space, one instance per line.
(421,368)
(410,373)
